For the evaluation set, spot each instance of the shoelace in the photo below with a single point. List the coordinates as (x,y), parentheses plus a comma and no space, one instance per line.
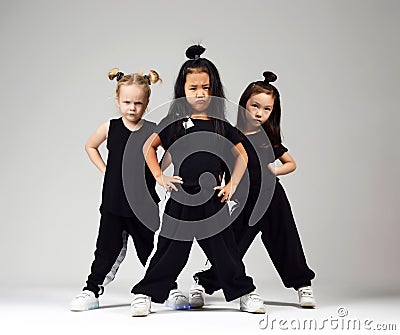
(178,295)
(139,300)
(196,293)
(254,297)
(175,292)
(83,295)
(306,291)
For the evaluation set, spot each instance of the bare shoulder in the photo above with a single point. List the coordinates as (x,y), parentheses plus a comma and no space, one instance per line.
(104,127)
(99,136)
(102,130)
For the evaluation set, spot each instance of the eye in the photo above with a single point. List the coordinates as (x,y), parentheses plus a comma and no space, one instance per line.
(254,105)
(268,109)
(206,88)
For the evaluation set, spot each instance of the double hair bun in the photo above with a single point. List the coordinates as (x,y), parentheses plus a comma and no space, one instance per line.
(152,77)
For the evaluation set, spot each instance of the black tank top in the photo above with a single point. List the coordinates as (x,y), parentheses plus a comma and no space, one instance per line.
(113,195)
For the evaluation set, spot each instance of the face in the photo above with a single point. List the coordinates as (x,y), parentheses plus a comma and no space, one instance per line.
(132,102)
(198,91)
(259,108)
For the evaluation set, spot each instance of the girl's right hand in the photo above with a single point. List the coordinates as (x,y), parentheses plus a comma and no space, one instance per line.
(168,182)
(272,168)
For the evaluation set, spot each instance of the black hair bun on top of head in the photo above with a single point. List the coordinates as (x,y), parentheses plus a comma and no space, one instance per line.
(269,77)
(195,51)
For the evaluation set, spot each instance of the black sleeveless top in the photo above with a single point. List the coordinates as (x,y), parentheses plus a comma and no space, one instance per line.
(122,141)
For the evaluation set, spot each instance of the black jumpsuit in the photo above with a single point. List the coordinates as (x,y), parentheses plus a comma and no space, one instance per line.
(197,161)
(277,226)
(116,213)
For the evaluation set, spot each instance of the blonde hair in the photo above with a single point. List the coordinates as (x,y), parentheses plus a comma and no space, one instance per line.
(134,78)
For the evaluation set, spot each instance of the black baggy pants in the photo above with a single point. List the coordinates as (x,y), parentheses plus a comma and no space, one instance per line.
(279,236)
(110,242)
(172,255)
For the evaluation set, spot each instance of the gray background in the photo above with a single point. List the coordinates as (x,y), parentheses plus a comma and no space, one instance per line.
(338,69)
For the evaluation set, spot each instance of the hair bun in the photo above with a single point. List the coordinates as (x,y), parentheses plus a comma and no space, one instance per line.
(152,77)
(195,51)
(115,73)
(269,77)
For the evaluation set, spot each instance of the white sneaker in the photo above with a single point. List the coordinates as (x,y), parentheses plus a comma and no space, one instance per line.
(84,301)
(306,297)
(177,300)
(196,296)
(252,303)
(140,305)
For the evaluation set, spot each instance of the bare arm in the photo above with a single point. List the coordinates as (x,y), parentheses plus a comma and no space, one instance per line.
(93,143)
(288,165)
(238,170)
(149,152)
(166,161)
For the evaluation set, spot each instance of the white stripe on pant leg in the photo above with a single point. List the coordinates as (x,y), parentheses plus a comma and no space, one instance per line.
(161,207)
(111,275)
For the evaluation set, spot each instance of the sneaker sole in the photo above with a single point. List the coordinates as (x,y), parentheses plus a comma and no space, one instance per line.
(196,303)
(85,308)
(178,307)
(257,311)
(308,305)
(140,313)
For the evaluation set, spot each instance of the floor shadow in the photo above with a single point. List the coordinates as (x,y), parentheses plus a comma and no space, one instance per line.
(209,307)
(281,303)
(114,306)
(199,310)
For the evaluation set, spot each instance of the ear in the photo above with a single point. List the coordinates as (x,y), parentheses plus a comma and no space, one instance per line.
(117,102)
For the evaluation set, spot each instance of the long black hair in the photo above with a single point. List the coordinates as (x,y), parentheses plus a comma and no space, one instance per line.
(272,126)
(180,109)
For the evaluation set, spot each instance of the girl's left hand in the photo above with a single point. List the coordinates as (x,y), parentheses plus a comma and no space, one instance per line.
(227,191)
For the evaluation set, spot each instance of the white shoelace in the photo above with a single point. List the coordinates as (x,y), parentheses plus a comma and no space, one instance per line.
(254,297)
(306,291)
(177,295)
(175,292)
(83,295)
(140,299)
(196,292)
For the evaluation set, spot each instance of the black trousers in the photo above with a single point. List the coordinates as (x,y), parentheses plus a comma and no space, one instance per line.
(172,255)
(110,242)
(279,236)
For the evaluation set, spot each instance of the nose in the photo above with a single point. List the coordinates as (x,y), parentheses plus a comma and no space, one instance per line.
(200,93)
(132,107)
